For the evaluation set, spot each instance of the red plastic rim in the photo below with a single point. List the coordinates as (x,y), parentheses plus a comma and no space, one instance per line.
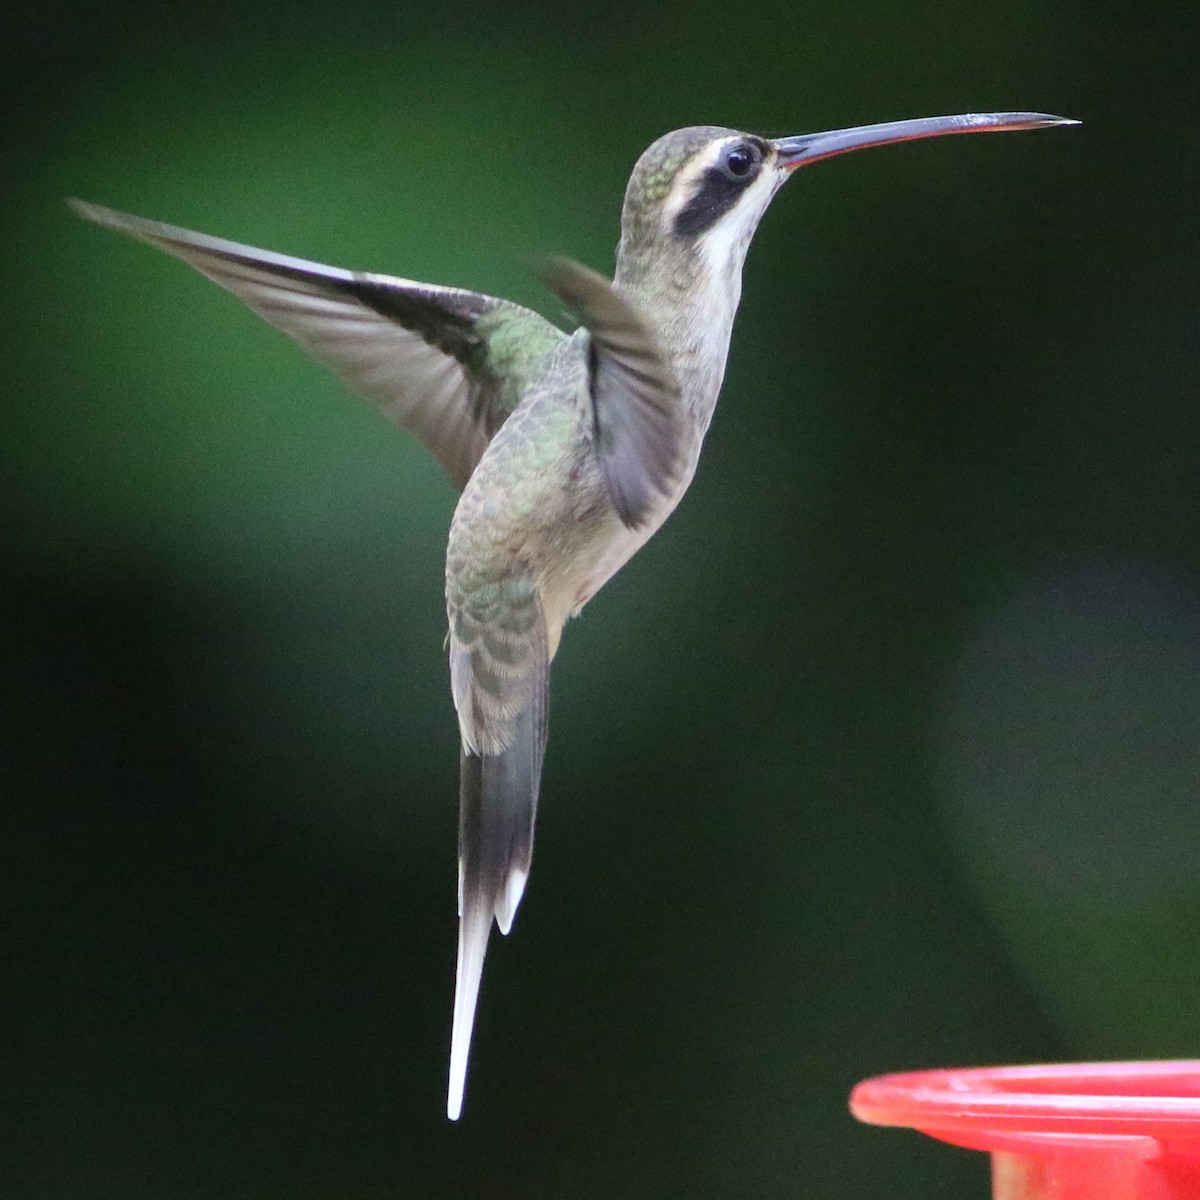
(1130,1099)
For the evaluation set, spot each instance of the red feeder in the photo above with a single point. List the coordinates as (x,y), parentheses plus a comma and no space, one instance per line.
(1078,1131)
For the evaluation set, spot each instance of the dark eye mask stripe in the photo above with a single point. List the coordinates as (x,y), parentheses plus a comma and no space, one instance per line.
(715,196)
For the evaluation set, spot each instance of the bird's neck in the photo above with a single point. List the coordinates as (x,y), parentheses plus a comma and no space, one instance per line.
(690,306)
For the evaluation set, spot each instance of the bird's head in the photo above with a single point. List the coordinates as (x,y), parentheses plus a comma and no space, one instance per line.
(697,195)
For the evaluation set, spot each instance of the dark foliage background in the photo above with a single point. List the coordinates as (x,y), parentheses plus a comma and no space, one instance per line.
(883,755)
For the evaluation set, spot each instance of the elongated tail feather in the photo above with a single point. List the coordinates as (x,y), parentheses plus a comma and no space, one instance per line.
(497,807)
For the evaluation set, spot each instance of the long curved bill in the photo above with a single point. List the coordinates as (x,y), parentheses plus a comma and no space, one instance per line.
(807,148)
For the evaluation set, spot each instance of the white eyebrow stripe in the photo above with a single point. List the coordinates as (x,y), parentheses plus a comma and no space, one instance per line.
(684,186)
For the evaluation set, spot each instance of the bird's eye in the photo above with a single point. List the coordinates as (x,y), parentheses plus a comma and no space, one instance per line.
(740,160)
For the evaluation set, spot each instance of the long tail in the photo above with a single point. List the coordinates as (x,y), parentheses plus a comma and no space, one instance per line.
(497,806)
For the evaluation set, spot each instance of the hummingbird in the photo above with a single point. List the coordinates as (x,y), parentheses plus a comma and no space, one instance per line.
(569,450)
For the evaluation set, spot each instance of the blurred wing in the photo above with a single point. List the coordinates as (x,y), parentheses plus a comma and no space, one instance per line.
(421,353)
(637,409)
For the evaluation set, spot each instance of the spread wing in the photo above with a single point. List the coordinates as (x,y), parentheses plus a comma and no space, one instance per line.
(444,363)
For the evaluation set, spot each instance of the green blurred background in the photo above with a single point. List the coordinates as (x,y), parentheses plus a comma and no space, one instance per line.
(883,755)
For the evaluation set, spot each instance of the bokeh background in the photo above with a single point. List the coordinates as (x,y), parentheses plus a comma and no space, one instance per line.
(883,755)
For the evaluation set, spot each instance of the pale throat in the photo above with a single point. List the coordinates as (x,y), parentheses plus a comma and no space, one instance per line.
(689,292)
(690,304)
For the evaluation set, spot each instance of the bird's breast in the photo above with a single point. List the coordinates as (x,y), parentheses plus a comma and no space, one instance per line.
(542,511)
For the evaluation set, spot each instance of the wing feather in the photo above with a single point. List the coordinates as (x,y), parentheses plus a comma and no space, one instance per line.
(419,352)
(639,423)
